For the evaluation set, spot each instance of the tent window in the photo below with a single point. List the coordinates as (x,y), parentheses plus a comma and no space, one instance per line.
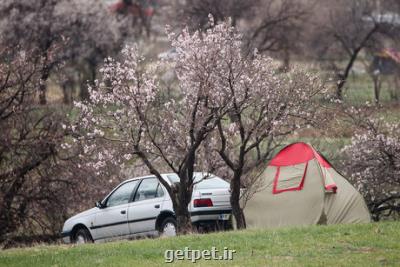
(289,178)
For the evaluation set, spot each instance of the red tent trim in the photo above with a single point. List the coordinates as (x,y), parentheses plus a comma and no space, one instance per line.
(332,187)
(321,159)
(295,154)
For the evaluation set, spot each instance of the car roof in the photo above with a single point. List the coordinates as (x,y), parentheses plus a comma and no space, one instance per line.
(165,176)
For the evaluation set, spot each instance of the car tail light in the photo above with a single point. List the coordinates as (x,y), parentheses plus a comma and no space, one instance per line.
(203,202)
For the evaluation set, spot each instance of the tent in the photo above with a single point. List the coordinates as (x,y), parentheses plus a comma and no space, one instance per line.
(300,187)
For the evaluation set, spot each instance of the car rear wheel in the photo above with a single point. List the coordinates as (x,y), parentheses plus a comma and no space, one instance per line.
(168,227)
(82,236)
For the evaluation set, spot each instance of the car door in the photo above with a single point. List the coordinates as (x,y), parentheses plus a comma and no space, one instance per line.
(146,206)
(112,220)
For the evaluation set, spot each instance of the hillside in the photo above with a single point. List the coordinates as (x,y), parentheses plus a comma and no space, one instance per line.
(375,244)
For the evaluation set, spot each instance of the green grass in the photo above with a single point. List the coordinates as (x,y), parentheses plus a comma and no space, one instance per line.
(375,244)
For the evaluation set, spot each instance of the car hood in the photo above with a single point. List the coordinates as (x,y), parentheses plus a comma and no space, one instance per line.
(85,213)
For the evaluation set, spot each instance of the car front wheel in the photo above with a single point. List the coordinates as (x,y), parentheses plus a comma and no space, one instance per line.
(168,227)
(82,236)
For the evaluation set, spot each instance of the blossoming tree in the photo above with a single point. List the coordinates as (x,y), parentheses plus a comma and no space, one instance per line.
(219,91)
(373,162)
(129,109)
(266,107)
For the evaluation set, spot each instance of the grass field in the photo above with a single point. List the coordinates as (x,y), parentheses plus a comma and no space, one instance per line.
(375,244)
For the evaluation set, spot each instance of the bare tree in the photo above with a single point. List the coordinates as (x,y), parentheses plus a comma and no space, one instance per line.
(38,175)
(277,27)
(28,140)
(351,27)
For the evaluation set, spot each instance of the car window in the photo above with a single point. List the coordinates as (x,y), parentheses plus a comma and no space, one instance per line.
(148,189)
(212,183)
(160,191)
(122,195)
(173,178)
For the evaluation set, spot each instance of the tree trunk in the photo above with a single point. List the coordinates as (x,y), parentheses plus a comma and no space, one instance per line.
(394,95)
(84,92)
(377,88)
(235,202)
(339,89)
(343,76)
(183,219)
(286,60)
(184,195)
(180,202)
(67,99)
(89,77)
(7,216)
(353,56)
(43,86)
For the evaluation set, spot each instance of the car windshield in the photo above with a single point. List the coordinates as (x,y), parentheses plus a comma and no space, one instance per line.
(209,181)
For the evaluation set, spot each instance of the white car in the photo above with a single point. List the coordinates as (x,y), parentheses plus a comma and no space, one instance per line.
(142,207)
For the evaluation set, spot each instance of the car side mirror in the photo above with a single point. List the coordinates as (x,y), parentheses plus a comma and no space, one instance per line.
(99,205)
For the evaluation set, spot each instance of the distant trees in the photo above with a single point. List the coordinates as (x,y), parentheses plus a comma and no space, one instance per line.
(347,29)
(59,32)
(91,33)
(194,14)
(278,27)
(274,27)
(135,16)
